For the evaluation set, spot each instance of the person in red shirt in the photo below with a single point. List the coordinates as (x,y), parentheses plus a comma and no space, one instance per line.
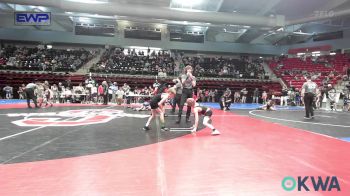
(100,93)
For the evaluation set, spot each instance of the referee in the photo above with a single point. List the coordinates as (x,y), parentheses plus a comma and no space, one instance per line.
(30,94)
(309,91)
(188,83)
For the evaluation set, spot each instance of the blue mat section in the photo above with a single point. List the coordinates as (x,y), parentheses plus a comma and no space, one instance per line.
(346,139)
(250,106)
(11,101)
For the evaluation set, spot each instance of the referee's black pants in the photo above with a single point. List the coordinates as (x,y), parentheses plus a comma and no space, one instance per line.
(308,101)
(186,93)
(105,99)
(30,96)
(176,101)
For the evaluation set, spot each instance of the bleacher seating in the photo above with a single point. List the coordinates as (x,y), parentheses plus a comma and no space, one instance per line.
(35,59)
(324,69)
(115,60)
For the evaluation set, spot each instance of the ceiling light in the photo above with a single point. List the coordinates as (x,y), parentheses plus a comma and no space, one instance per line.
(187,2)
(84,19)
(90,1)
(196,28)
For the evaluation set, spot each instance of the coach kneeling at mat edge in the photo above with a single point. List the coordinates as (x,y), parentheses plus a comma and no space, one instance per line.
(188,83)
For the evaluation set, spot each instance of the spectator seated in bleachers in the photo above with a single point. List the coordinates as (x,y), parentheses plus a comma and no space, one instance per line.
(36,59)
(116,60)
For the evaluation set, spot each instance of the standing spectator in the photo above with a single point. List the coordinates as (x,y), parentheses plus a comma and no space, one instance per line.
(211,96)
(216,95)
(105,92)
(94,93)
(298,97)
(120,95)
(200,94)
(177,68)
(292,97)
(256,96)
(54,90)
(40,93)
(8,91)
(100,93)
(21,91)
(284,96)
(346,97)
(126,89)
(114,89)
(60,90)
(206,96)
(48,96)
(332,94)
(264,97)
(244,95)
(237,97)
(228,93)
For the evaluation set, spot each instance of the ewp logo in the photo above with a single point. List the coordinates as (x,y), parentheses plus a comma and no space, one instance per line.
(32,18)
(289,183)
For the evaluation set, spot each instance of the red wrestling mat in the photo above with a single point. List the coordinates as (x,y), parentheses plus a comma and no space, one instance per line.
(250,157)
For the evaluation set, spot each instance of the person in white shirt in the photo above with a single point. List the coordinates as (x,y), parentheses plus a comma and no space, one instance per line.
(120,95)
(94,94)
(264,97)
(244,95)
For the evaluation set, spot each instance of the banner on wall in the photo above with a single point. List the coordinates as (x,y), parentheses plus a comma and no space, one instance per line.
(32,18)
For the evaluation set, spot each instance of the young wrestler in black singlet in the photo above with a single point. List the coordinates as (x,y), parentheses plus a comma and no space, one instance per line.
(157,104)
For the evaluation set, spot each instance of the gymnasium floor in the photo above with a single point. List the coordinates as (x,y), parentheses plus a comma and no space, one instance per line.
(75,149)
